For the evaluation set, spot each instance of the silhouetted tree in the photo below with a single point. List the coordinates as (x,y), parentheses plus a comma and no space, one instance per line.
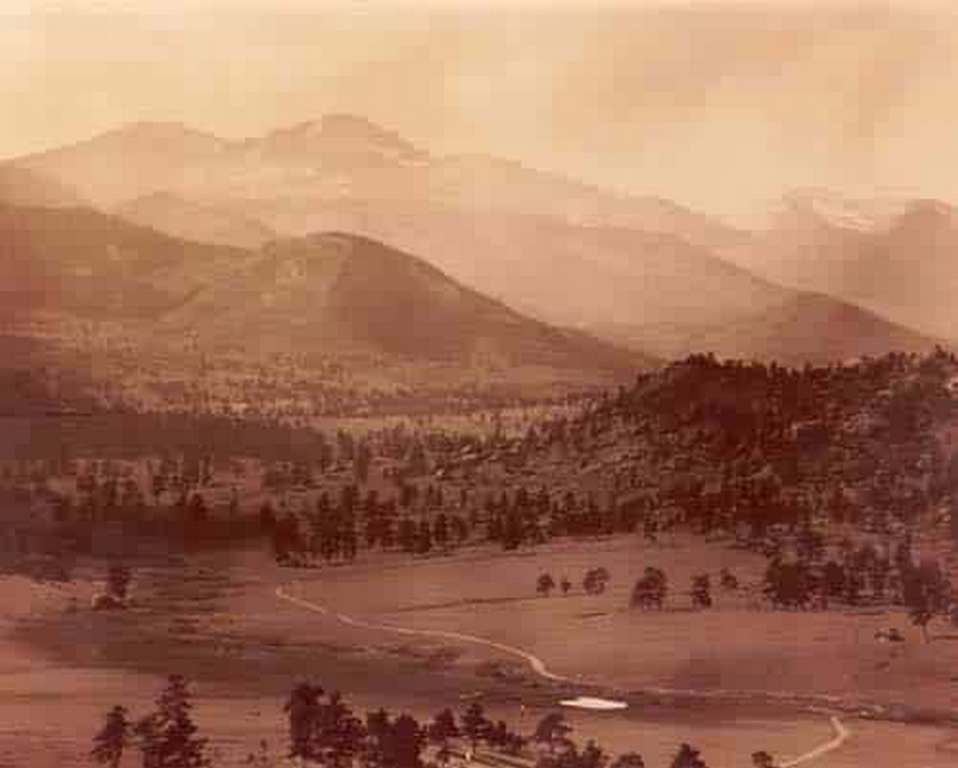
(595,581)
(111,741)
(650,590)
(688,757)
(475,726)
(628,760)
(118,580)
(701,591)
(545,584)
(552,732)
(167,737)
(763,759)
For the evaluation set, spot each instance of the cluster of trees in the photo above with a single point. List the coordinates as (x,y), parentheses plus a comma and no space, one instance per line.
(336,530)
(757,444)
(858,575)
(324,730)
(649,591)
(593,583)
(166,737)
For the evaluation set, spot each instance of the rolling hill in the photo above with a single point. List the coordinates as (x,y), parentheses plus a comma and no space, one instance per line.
(331,294)
(88,264)
(344,294)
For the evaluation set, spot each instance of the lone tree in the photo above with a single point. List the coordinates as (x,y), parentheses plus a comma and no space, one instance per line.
(113,739)
(118,579)
(926,593)
(565,585)
(650,590)
(763,759)
(595,581)
(688,757)
(545,584)
(701,591)
(788,584)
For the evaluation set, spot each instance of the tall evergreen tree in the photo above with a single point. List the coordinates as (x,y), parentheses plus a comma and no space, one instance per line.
(110,743)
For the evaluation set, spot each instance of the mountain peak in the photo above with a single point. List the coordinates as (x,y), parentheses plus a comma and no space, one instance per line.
(343,132)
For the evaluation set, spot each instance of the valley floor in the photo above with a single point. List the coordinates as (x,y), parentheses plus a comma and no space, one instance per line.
(218,620)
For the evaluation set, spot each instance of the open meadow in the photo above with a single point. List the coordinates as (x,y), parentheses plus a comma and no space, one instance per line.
(217,619)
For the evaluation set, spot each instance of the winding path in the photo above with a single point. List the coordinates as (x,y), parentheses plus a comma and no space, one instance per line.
(841,734)
(538,665)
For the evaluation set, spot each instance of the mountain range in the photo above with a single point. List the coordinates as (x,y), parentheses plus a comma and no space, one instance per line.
(329,294)
(640,272)
(896,257)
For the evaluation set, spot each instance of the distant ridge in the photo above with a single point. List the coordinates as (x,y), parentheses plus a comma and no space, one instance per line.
(893,257)
(805,328)
(184,219)
(20,186)
(633,268)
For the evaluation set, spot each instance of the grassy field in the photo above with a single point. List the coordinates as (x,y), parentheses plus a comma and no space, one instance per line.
(217,620)
(736,645)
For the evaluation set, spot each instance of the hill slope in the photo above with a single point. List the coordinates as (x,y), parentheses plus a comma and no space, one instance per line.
(326,296)
(20,186)
(654,292)
(129,162)
(88,264)
(805,328)
(347,294)
(181,218)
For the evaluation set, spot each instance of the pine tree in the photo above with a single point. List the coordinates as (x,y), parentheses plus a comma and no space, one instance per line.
(475,726)
(112,740)
(629,760)
(701,591)
(302,709)
(168,736)
(688,757)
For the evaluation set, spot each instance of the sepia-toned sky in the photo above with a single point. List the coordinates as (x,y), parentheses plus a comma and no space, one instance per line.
(717,105)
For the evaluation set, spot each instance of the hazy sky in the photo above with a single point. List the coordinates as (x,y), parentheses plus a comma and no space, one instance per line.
(714,104)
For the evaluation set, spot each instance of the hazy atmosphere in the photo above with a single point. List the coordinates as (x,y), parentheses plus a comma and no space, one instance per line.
(478,385)
(718,106)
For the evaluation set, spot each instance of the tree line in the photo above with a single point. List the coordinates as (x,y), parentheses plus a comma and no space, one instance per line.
(324,730)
